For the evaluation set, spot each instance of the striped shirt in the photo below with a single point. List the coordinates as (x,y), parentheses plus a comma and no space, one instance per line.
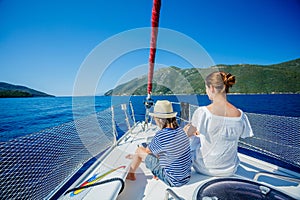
(172,148)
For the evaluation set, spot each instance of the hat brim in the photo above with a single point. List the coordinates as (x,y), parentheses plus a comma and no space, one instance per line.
(163,115)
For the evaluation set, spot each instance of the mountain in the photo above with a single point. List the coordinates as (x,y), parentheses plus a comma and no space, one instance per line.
(9,90)
(278,78)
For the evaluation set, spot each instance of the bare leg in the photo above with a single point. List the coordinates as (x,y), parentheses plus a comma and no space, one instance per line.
(136,161)
(129,156)
(140,154)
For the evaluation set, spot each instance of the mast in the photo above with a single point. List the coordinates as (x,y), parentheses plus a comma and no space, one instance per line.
(154,30)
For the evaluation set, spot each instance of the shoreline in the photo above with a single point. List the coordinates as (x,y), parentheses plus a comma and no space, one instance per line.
(273,93)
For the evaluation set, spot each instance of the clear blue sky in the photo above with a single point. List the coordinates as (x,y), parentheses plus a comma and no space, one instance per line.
(43,43)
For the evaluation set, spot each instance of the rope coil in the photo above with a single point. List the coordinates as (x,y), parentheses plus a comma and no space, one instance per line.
(99,183)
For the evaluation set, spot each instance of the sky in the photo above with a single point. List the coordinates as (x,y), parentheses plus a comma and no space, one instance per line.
(48,45)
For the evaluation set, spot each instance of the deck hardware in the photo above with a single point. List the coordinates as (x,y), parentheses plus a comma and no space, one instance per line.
(132,112)
(272,175)
(210,198)
(173,195)
(264,190)
(124,108)
(114,129)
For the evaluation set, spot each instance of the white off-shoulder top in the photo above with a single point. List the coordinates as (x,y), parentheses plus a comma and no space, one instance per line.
(214,151)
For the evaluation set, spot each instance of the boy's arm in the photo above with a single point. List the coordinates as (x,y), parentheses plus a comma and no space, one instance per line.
(148,150)
(144,149)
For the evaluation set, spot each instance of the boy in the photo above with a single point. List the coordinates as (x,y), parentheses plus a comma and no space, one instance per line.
(168,154)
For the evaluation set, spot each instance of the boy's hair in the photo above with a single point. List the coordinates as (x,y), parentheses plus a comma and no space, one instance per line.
(165,121)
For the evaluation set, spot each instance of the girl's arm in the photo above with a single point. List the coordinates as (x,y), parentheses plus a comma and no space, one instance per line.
(190,130)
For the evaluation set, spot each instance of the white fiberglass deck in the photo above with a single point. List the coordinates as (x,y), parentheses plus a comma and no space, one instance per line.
(145,187)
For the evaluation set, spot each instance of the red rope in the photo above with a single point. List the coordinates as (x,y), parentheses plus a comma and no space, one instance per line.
(155,20)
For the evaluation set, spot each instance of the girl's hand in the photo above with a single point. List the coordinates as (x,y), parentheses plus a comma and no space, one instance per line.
(190,130)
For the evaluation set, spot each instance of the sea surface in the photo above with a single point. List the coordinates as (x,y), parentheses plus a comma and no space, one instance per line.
(22,116)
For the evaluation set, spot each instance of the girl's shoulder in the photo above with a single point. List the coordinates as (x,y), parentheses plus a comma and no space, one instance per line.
(232,111)
(201,109)
(200,115)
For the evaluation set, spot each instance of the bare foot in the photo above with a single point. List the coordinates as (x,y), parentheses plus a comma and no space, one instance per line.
(155,177)
(131,176)
(129,156)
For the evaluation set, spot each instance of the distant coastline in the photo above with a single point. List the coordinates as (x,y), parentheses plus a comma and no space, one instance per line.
(273,93)
(17,91)
(281,78)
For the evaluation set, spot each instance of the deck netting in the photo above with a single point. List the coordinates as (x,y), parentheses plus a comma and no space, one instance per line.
(276,137)
(33,166)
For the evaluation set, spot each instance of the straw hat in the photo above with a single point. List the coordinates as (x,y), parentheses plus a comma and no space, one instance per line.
(163,109)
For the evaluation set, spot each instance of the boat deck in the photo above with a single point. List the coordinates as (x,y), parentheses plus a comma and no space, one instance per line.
(145,187)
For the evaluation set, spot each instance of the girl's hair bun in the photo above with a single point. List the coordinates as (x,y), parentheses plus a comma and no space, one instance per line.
(228,79)
(222,81)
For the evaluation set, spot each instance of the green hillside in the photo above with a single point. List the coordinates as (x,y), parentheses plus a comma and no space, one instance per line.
(278,78)
(8,90)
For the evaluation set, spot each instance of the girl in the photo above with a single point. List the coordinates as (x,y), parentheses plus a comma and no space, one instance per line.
(215,129)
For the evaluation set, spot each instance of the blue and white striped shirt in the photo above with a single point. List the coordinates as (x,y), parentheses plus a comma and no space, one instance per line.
(172,148)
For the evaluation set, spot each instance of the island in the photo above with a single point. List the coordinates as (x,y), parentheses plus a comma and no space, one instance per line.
(250,79)
(13,91)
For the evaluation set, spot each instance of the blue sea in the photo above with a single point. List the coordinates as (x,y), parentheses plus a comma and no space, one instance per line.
(22,116)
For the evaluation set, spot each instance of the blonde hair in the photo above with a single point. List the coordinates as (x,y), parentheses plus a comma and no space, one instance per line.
(221,81)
